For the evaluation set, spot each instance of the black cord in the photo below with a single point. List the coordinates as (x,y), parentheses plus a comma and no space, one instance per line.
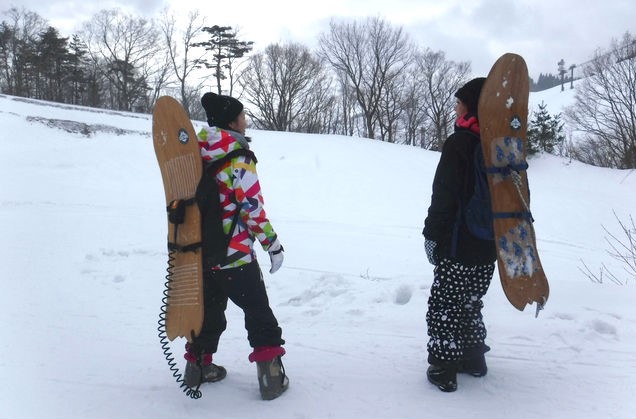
(193,393)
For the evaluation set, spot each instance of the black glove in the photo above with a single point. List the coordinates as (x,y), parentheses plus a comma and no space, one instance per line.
(430,246)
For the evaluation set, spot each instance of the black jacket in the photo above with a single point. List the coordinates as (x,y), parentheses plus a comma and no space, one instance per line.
(452,186)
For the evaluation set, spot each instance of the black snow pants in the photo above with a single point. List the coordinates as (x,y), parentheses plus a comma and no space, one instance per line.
(455,324)
(245,287)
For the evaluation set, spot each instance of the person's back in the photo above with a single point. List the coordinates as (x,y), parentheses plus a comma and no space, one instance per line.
(238,277)
(448,226)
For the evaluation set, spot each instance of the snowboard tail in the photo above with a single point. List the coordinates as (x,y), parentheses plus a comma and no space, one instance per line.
(179,159)
(503,114)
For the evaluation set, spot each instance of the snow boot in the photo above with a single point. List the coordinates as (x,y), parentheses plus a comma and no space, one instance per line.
(200,369)
(272,380)
(474,366)
(196,374)
(443,375)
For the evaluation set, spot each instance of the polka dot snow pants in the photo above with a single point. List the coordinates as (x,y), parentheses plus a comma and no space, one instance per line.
(455,324)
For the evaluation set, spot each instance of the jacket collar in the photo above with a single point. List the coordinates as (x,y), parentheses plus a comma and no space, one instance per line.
(469,122)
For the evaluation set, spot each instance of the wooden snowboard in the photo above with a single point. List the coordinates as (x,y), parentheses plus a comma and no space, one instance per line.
(503,115)
(181,166)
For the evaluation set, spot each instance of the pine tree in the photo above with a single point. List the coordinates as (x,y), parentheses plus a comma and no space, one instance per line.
(78,70)
(50,63)
(225,49)
(545,81)
(545,132)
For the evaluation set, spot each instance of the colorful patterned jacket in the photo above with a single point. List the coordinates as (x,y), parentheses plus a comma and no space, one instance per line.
(240,190)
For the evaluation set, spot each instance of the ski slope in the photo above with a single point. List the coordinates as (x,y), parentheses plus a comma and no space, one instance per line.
(82,214)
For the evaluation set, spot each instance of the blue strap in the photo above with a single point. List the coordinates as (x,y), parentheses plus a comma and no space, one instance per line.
(527,215)
(505,170)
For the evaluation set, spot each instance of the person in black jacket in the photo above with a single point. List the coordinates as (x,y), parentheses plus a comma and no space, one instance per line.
(464,264)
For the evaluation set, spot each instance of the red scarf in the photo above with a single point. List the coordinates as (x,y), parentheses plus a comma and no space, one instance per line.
(468,121)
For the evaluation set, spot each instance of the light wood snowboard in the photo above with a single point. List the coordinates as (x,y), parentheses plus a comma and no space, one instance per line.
(503,115)
(179,158)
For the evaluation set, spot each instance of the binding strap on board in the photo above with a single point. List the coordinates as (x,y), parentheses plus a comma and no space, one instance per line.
(176,215)
(506,170)
(527,215)
(176,210)
(513,170)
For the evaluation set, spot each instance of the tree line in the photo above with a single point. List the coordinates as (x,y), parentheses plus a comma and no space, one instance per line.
(367,77)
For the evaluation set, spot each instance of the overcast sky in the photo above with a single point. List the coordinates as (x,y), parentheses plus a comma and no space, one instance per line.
(478,31)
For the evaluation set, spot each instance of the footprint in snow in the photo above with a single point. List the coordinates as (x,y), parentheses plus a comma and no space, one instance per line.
(403,295)
(603,328)
(563,316)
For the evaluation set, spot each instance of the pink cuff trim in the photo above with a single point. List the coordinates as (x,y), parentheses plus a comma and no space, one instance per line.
(266,353)
(206,358)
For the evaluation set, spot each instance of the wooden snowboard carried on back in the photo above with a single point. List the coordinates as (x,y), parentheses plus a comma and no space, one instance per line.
(181,167)
(503,115)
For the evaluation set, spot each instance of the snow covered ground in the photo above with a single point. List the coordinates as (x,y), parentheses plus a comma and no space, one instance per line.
(84,256)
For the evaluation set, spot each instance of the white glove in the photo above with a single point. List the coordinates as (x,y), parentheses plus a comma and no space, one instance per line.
(276,256)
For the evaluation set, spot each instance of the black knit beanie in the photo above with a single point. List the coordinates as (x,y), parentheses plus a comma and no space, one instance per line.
(220,109)
(469,94)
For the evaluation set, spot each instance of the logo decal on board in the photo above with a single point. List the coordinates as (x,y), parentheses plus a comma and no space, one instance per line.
(515,123)
(183,136)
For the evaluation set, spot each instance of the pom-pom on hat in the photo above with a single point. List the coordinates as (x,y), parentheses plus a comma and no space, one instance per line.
(469,94)
(220,109)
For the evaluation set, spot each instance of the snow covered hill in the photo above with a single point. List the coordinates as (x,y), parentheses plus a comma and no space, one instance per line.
(84,258)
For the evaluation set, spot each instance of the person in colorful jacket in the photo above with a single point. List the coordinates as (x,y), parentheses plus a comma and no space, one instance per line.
(239,278)
(464,264)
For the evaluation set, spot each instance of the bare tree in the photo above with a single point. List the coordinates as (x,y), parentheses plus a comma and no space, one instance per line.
(128,46)
(158,79)
(370,55)
(605,108)
(414,116)
(318,108)
(179,38)
(236,58)
(622,250)
(18,36)
(349,112)
(392,104)
(288,87)
(439,79)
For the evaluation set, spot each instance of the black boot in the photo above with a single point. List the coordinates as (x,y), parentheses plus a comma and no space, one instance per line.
(272,380)
(200,369)
(475,366)
(196,374)
(443,375)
